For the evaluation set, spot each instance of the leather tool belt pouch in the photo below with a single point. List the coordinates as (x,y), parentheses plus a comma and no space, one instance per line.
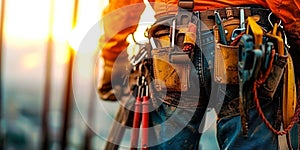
(226,57)
(268,88)
(171,62)
(226,63)
(171,71)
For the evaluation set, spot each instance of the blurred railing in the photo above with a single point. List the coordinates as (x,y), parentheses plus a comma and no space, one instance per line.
(1,49)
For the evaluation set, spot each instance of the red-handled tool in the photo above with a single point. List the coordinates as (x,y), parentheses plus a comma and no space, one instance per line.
(145,118)
(137,111)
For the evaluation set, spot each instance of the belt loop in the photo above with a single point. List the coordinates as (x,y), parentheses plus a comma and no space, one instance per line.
(186,4)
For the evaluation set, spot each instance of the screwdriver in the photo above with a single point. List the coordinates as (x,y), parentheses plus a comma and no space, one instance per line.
(220,28)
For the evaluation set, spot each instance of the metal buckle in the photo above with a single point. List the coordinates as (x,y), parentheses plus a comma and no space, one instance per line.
(282,28)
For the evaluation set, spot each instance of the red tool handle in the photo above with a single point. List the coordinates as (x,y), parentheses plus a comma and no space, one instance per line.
(145,122)
(136,123)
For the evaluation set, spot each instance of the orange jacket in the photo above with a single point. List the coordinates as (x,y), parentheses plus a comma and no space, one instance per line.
(121,17)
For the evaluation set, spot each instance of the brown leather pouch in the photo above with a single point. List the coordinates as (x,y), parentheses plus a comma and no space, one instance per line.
(226,57)
(171,72)
(269,87)
(226,64)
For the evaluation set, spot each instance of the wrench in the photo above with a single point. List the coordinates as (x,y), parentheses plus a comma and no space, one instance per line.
(242,27)
(220,25)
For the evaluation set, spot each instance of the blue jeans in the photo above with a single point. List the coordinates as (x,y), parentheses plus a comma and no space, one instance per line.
(229,133)
(181,132)
(260,137)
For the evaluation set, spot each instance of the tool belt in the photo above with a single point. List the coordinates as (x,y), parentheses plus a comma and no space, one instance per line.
(212,59)
(227,55)
(256,60)
(164,65)
(175,77)
(244,48)
(163,24)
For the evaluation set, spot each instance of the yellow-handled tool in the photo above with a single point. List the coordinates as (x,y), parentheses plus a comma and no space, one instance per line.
(278,38)
(255,29)
(289,98)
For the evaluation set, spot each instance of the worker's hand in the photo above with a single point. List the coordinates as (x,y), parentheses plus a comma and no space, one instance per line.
(112,84)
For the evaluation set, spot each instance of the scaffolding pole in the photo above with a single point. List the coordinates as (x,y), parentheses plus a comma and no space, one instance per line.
(47,89)
(1,52)
(67,102)
(91,110)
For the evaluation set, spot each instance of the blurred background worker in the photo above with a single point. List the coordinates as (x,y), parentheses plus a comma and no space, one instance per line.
(123,23)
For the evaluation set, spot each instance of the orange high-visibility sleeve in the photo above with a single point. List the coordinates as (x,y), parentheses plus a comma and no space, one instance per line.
(120,18)
(119,23)
(289,12)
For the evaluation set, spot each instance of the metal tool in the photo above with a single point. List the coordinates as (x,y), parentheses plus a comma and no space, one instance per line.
(242,27)
(152,42)
(141,55)
(173,33)
(282,29)
(246,45)
(250,55)
(268,50)
(221,29)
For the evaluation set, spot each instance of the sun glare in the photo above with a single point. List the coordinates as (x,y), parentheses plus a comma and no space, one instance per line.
(28,23)
(30,61)
(27,19)
(89,15)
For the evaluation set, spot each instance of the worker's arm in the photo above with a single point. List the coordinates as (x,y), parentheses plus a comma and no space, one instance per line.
(289,12)
(120,18)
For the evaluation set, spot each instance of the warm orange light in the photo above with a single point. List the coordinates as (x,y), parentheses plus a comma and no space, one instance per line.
(89,15)
(61,55)
(27,19)
(30,61)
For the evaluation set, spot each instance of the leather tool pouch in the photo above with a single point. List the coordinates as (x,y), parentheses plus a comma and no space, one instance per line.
(171,62)
(226,57)
(171,70)
(226,61)
(268,88)
(226,64)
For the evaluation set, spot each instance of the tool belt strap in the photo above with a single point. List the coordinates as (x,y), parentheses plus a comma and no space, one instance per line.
(162,25)
(231,108)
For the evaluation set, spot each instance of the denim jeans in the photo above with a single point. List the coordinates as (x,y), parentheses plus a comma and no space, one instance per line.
(230,137)
(181,132)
